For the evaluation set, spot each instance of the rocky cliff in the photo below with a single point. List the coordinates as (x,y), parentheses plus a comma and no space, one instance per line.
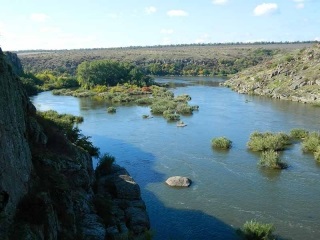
(294,76)
(46,182)
(14,61)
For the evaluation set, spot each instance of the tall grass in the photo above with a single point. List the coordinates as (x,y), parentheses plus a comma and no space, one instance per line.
(253,230)
(299,133)
(268,141)
(271,159)
(311,142)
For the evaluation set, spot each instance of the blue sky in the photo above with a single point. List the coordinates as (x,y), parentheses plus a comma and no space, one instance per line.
(72,24)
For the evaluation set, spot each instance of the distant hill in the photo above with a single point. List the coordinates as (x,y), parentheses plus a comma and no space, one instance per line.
(198,59)
(292,76)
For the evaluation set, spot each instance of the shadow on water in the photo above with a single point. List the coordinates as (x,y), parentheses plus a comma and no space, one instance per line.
(177,221)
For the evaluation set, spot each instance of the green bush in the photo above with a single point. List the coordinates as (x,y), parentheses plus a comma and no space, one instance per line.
(144,101)
(111,110)
(66,122)
(311,143)
(171,115)
(268,141)
(221,143)
(271,159)
(183,98)
(299,133)
(184,108)
(105,164)
(317,154)
(253,230)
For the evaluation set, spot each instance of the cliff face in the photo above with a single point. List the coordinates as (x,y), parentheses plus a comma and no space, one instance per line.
(14,61)
(15,154)
(46,182)
(292,76)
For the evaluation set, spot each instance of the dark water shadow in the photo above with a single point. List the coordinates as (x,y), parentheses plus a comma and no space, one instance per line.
(270,174)
(166,222)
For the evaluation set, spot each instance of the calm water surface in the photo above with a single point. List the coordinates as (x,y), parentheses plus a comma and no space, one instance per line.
(228,188)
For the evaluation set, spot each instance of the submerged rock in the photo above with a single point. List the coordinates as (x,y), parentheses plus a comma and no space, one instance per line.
(178,181)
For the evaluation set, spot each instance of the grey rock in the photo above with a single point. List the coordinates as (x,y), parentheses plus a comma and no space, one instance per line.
(178,181)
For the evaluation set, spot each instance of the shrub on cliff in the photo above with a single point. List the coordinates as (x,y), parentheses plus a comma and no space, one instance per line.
(52,121)
(253,230)
(104,165)
(268,141)
(221,143)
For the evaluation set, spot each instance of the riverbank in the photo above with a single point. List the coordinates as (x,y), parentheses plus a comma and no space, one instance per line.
(293,76)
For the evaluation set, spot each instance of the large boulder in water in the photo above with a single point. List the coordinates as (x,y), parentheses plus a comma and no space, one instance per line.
(178,181)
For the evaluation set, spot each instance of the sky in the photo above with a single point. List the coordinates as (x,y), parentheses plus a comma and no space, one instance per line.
(74,24)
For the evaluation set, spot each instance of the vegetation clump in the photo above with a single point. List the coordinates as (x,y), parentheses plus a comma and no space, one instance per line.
(221,143)
(171,115)
(270,159)
(111,110)
(268,141)
(299,133)
(104,165)
(110,73)
(254,230)
(66,124)
(317,154)
(311,142)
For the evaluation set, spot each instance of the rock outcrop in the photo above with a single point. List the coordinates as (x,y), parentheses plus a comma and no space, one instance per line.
(46,182)
(292,77)
(178,181)
(128,213)
(15,63)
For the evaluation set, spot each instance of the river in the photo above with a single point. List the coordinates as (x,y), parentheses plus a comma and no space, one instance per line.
(228,187)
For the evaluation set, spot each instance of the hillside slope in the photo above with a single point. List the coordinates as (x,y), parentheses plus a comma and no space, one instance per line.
(294,76)
(162,60)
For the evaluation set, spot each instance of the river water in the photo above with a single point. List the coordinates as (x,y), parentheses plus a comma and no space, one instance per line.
(228,187)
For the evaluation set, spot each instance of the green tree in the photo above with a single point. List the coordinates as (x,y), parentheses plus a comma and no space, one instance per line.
(109,73)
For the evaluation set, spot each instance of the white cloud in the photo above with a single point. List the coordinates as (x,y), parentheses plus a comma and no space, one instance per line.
(177,13)
(150,10)
(50,30)
(265,9)
(219,2)
(39,17)
(300,5)
(166,31)
(317,39)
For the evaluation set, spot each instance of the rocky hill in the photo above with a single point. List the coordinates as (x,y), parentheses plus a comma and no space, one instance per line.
(216,59)
(293,76)
(48,188)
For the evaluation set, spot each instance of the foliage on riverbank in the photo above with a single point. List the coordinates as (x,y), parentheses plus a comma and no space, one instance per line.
(160,99)
(67,124)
